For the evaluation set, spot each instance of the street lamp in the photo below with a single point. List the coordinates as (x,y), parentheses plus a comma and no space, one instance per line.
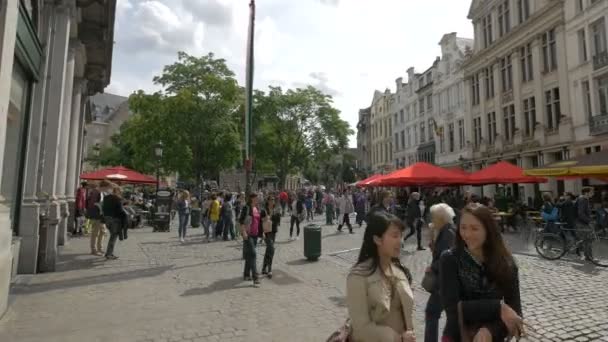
(158,151)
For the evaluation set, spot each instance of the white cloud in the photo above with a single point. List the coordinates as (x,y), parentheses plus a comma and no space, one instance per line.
(345,48)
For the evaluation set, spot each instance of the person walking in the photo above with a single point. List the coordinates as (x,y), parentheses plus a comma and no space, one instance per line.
(114,217)
(228,218)
(297,216)
(479,282)
(346,208)
(95,215)
(583,220)
(214,217)
(443,234)
(379,296)
(183,212)
(250,224)
(309,202)
(384,205)
(330,203)
(272,214)
(80,207)
(284,197)
(360,202)
(414,219)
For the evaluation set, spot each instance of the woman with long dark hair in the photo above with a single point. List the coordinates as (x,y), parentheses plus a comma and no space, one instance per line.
(272,213)
(379,298)
(251,225)
(479,282)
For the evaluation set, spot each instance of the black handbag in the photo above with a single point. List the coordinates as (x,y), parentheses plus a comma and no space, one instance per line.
(429,281)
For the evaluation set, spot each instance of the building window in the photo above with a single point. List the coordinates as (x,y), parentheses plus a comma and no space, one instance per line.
(421,106)
(506,72)
(598,36)
(451,137)
(477,131)
(431,130)
(587,98)
(552,108)
(489,78)
(523,10)
(492,127)
(487,30)
(549,51)
(530,116)
(441,143)
(602,89)
(475,89)
(422,132)
(415,135)
(579,6)
(409,137)
(504,18)
(461,137)
(527,72)
(402,140)
(429,77)
(402,116)
(582,46)
(429,103)
(397,141)
(508,114)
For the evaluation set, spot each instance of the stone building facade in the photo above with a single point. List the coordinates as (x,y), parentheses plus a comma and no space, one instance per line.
(364,141)
(53,56)
(381,132)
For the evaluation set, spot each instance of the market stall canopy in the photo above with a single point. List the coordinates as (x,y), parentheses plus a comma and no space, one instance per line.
(595,164)
(119,173)
(366,181)
(421,174)
(458,170)
(502,173)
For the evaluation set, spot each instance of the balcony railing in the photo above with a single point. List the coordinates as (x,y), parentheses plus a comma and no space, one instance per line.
(598,124)
(600,60)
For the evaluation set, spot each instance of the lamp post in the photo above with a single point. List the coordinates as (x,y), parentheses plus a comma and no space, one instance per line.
(158,151)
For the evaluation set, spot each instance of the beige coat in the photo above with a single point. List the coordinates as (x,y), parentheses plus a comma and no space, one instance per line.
(369,305)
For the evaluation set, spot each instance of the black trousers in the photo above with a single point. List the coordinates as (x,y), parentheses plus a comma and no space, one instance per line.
(296,221)
(251,269)
(269,254)
(415,227)
(345,221)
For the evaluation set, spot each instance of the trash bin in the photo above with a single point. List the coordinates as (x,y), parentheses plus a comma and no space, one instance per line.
(312,242)
(195,217)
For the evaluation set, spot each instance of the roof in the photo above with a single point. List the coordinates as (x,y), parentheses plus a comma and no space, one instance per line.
(103,105)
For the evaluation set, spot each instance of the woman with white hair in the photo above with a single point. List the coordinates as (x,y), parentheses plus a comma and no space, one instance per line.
(443,234)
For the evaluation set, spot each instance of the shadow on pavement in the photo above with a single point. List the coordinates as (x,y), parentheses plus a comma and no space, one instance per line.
(208,263)
(73,262)
(217,286)
(93,280)
(299,262)
(339,301)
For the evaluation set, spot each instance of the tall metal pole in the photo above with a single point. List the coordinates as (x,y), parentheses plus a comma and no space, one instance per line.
(249,97)
(157,175)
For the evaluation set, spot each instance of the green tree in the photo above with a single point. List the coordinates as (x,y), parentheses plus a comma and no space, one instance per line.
(296,129)
(195,116)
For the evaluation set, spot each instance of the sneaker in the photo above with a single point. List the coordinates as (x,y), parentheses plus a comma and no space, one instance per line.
(94,252)
(99,253)
(269,275)
(247,278)
(256,282)
(352,232)
(421,249)
(111,257)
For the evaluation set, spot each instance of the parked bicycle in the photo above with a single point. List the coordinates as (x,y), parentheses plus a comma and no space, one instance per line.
(593,242)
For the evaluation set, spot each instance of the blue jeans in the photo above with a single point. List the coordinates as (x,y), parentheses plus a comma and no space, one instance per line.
(251,268)
(183,222)
(229,229)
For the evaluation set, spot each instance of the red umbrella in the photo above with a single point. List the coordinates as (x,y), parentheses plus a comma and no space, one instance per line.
(502,173)
(459,171)
(119,173)
(421,174)
(366,181)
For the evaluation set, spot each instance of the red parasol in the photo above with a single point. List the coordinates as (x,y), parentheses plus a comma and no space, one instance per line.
(421,174)
(366,181)
(502,173)
(119,174)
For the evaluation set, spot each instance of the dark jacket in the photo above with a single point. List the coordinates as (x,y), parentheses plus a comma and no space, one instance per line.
(413,212)
(444,241)
(378,209)
(93,210)
(116,217)
(182,208)
(583,210)
(568,212)
(462,279)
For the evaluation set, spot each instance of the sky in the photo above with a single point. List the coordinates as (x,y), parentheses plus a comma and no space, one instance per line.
(346,48)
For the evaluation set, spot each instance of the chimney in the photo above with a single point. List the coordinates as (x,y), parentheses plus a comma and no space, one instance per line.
(399,84)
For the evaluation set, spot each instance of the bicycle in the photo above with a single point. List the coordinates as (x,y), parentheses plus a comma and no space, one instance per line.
(593,242)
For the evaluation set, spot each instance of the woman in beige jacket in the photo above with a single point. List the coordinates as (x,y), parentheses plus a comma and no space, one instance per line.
(379,297)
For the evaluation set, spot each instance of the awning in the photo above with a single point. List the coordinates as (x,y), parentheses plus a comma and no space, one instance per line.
(119,174)
(502,173)
(366,181)
(595,164)
(421,174)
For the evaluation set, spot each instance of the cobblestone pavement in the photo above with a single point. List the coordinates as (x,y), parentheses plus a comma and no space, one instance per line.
(161,290)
